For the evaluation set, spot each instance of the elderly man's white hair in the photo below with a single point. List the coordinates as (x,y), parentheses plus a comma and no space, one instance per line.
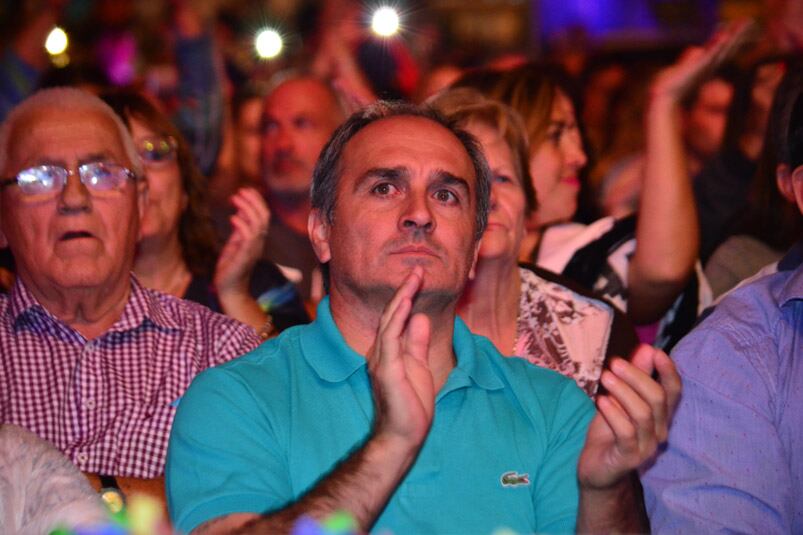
(72,99)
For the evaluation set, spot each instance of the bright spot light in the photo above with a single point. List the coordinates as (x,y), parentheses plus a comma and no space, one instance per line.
(268,44)
(385,21)
(56,41)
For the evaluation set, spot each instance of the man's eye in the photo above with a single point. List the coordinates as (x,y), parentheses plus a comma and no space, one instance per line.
(445,196)
(383,189)
(503,179)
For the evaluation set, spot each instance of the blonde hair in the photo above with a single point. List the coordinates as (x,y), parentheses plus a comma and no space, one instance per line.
(466,105)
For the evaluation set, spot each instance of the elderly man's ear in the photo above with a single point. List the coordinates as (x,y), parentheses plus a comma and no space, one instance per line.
(790,184)
(318,229)
(142,197)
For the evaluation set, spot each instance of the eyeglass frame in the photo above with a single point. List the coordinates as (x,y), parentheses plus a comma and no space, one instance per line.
(14,180)
(171,141)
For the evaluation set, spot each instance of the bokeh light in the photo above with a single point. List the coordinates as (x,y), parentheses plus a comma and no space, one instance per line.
(56,42)
(385,21)
(268,43)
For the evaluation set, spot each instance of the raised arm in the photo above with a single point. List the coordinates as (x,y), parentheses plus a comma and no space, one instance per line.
(404,398)
(667,232)
(199,116)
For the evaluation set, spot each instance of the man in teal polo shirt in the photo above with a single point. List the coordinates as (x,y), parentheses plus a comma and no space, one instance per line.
(387,406)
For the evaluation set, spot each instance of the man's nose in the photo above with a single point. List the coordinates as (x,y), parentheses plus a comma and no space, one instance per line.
(282,140)
(75,196)
(417,214)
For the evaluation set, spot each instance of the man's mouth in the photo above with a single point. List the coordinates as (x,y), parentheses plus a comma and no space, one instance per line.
(416,250)
(75,235)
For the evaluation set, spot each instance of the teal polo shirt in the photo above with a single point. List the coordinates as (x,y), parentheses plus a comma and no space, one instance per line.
(256,433)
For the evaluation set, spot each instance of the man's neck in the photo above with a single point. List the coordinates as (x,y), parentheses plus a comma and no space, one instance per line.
(358,322)
(89,310)
(292,211)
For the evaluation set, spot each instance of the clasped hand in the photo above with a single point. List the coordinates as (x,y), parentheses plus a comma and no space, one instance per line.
(398,363)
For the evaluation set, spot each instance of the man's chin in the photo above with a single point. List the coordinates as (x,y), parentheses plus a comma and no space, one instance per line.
(430,299)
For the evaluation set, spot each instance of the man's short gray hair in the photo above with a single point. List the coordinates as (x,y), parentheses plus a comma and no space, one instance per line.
(72,99)
(327,170)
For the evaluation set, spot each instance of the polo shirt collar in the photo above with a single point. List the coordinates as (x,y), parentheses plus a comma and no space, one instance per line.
(471,362)
(334,360)
(326,350)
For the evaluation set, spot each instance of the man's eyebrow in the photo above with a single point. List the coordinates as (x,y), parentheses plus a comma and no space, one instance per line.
(104,156)
(386,173)
(445,178)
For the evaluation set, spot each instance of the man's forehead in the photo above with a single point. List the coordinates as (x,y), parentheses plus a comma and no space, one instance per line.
(49,132)
(412,138)
(300,94)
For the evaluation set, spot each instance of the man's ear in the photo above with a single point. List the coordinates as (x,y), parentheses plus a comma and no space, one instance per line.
(319,228)
(797,186)
(3,239)
(473,271)
(142,197)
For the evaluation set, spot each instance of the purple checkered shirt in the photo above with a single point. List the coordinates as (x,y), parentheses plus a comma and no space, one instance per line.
(108,403)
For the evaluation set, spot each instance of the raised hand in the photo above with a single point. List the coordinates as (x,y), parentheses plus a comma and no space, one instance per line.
(244,246)
(696,62)
(633,417)
(398,362)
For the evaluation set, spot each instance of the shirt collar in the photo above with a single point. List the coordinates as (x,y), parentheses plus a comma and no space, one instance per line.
(793,287)
(143,305)
(334,360)
(21,300)
(140,306)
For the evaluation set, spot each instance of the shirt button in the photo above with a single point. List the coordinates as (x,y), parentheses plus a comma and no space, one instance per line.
(89,404)
(82,457)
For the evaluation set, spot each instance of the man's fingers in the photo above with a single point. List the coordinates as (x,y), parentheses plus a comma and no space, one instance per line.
(635,407)
(648,390)
(390,336)
(407,290)
(642,358)
(417,338)
(624,432)
(670,381)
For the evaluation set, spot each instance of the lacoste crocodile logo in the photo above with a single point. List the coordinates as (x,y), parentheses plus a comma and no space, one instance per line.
(512,479)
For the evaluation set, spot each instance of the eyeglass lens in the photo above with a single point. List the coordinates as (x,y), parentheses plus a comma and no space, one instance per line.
(97,176)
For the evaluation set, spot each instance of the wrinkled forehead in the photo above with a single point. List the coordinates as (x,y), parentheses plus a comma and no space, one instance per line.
(63,136)
(406,140)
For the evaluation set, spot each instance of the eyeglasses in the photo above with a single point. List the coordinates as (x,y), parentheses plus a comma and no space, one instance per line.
(157,150)
(99,177)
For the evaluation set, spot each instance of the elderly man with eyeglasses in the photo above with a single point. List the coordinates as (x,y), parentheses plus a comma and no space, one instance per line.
(89,359)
